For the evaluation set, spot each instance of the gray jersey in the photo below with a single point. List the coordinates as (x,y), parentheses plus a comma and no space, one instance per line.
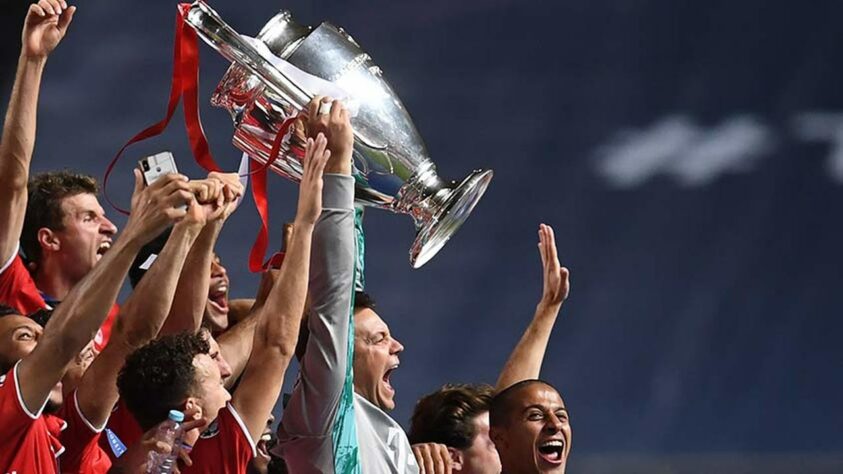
(326,428)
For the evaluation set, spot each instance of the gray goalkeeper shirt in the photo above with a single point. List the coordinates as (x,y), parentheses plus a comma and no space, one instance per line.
(326,427)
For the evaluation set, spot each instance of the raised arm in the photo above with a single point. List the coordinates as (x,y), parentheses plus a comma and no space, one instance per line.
(44,27)
(192,291)
(525,362)
(141,317)
(236,342)
(324,366)
(75,322)
(279,319)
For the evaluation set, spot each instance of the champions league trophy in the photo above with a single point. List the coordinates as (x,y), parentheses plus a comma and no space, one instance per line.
(391,166)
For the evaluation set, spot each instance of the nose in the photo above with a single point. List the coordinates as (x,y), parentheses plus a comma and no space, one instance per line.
(107,227)
(217,270)
(554,424)
(397,347)
(225,369)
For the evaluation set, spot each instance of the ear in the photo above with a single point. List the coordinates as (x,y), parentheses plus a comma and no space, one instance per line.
(193,406)
(456,458)
(48,240)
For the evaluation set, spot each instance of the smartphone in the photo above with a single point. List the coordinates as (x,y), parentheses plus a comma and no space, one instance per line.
(157,165)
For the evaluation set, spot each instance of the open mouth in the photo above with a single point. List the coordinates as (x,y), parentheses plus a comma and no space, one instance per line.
(552,451)
(263,446)
(218,297)
(103,248)
(387,375)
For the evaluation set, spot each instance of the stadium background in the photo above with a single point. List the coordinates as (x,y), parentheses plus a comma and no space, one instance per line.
(685,152)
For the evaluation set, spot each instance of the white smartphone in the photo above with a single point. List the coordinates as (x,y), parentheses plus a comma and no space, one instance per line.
(158,165)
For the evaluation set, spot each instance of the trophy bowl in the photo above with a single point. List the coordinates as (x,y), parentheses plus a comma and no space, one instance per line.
(272,78)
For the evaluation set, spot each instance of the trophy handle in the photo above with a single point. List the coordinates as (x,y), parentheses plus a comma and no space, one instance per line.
(223,38)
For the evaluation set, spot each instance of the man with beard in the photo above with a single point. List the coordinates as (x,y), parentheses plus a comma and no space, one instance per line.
(33,360)
(457,416)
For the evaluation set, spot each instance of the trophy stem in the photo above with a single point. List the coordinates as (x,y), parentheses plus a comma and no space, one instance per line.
(452,207)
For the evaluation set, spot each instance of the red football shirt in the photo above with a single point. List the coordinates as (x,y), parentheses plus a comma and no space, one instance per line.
(225,447)
(18,290)
(122,425)
(81,438)
(29,442)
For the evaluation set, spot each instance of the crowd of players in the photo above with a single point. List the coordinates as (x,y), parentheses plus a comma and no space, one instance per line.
(84,383)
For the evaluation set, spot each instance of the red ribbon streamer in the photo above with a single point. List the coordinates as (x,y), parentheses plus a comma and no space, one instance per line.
(185,85)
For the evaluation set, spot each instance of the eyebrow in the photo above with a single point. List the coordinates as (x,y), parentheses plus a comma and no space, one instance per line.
(25,326)
(542,407)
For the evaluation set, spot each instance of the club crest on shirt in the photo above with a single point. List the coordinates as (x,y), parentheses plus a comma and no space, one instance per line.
(213,430)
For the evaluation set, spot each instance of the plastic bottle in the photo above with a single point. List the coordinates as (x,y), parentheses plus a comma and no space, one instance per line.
(170,433)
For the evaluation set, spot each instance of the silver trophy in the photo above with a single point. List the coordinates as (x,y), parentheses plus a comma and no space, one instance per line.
(391,165)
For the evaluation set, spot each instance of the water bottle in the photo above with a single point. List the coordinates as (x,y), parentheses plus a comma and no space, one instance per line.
(170,433)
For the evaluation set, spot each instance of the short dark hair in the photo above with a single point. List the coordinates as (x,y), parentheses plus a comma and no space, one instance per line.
(7,310)
(363,300)
(501,405)
(446,416)
(43,209)
(42,316)
(159,376)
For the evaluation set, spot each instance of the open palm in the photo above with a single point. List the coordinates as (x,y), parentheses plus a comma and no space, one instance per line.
(556,283)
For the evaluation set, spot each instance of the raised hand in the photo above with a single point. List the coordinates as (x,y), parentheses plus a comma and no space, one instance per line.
(316,156)
(556,285)
(231,190)
(194,218)
(157,206)
(336,126)
(45,25)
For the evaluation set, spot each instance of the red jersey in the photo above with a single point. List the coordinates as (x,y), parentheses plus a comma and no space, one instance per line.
(29,442)
(225,447)
(18,290)
(81,438)
(123,427)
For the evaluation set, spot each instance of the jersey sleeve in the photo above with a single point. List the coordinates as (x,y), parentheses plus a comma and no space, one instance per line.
(313,405)
(17,289)
(15,417)
(81,441)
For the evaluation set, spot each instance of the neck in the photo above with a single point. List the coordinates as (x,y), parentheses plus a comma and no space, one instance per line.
(52,280)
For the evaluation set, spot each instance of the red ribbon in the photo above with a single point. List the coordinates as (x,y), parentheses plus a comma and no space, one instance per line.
(185,85)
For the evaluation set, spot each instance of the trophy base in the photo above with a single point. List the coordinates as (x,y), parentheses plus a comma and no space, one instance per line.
(434,233)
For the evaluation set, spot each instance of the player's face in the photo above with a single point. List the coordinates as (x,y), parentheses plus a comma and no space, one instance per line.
(212,395)
(216,308)
(481,457)
(86,234)
(216,356)
(18,337)
(537,437)
(375,358)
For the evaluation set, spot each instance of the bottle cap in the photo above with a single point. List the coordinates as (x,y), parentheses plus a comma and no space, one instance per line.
(176,416)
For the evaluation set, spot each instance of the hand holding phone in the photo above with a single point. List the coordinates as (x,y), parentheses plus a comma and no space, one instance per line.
(158,165)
